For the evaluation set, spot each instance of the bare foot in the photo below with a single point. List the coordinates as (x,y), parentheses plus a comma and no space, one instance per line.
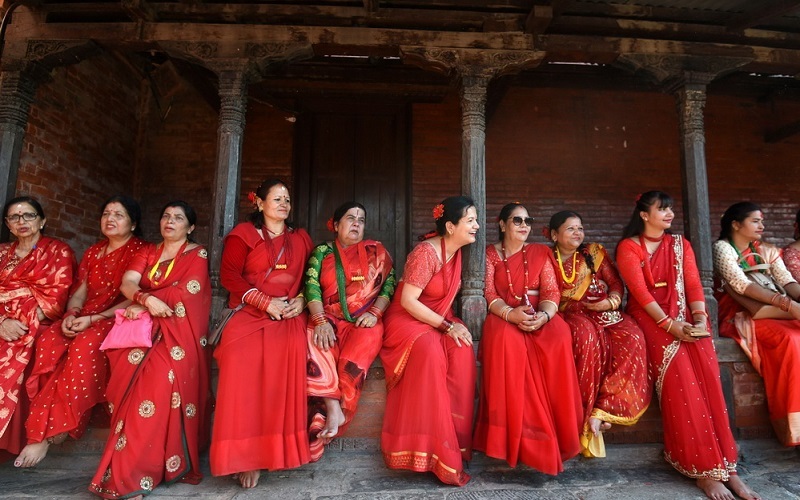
(597,426)
(32,454)
(739,487)
(248,479)
(715,490)
(333,419)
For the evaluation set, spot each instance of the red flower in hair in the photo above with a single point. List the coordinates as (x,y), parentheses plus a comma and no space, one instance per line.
(438,211)
(330,225)
(546,232)
(638,197)
(251,197)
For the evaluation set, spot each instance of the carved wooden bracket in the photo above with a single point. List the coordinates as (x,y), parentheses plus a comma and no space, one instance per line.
(471,62)
(253,58)
(676,70)
(47,54)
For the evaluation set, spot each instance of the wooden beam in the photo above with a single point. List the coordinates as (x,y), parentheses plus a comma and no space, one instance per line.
(761,12)
(539,19)
(782,133)
(139,10)
(371,5)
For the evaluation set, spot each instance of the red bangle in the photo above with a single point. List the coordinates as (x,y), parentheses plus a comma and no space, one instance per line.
(700,311)
(662,320)
(318,319)
(786,304)
(445,326)
(73,311)
(375,311)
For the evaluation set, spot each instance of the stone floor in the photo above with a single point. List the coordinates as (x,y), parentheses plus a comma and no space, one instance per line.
(355,471)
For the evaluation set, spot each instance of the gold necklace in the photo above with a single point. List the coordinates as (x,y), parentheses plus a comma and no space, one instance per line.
(561,267)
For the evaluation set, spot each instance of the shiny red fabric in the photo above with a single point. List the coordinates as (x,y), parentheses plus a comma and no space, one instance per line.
(261,419)
(157,396)
(530,407)
(611,360)
(340,372)
(41,279)
(697,437)
(430,381)
(69,376)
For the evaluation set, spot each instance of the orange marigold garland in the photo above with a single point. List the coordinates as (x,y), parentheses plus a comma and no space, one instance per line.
(330,225)
(438,211)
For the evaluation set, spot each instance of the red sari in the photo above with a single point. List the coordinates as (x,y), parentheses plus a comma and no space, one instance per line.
(773,345)
(609,349)
(41,279)
(157,396)
(340,372)
(430,380)
(530,406)
(697,437)
(261,419)
(70,374)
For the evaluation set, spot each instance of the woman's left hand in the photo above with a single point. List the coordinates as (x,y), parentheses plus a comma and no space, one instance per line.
(134,310)
(80,324)
(539,320)
(293,307)
(367,320)
(599,306)
(459,334)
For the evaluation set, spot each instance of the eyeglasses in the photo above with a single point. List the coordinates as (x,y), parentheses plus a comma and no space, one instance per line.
(28,216)
(517,220)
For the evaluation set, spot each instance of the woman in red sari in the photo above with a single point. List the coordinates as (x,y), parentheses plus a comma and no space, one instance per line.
(769,330)
(36,273)
(428,357)
(791,253)
(157,396)
(666,299)
(70,372)
(608,346)
(349,283)
(530,405)
(261,419)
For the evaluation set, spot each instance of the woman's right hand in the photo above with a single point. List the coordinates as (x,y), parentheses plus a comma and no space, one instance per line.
(676,329)
(12,329)
(134,310)
(276,307)
(324,336)
(522,319)
(66,326)
(459,334)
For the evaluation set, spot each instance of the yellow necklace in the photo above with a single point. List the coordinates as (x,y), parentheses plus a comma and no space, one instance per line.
(561,267)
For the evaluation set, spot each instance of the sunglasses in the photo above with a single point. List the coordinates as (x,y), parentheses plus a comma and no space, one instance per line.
(517,220)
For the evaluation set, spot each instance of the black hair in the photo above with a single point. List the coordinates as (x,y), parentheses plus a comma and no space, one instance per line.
(797,225)
(635,225)
(737,212)
(453,209)
(131,206)
(556,221)
(344,207)
(25,199)
(256,217)
(505,213)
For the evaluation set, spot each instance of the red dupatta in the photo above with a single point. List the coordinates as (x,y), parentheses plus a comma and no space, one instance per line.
(360,294)
(662,277)
(401,329)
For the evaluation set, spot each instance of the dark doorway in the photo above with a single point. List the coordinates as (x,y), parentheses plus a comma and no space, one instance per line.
(354,151)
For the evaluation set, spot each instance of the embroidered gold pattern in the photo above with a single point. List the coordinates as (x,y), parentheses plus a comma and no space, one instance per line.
(121,442)
(203,341)
(135,356)
(719,473)
(146,483)
(176,400)
(118,429)
(147,409)
(669,354)
(193,286)
(106,475)
(191,410)
(203,253)
(177,353)
(180,310)
(173,463)
(110,407)
(171,376)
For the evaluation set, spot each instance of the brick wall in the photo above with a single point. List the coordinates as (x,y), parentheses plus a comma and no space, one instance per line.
(80,146)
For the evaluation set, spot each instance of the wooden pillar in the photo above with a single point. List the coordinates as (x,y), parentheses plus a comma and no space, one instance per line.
(690,94)
(473,184)
(227,175)
(17,90)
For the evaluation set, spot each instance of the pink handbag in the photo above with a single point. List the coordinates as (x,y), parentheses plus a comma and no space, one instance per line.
(129,332)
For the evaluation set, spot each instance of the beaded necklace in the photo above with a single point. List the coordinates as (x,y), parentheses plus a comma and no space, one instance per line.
(508,272)
(742,258)
(571,279)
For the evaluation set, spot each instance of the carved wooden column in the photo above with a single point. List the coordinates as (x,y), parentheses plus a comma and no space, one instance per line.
(473,184)
(17,90)
(233,82)
(475,68)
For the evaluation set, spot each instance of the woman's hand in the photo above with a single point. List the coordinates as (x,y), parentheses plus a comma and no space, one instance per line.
(459,334)
(367,320)
(676,329)
(12,329)
(134,310)
(157,307)
(66,326)
(518,316)
(77,325)
(293,307)
(539,320)
(794,309)
(276,307)
(599,306)
(324,336)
